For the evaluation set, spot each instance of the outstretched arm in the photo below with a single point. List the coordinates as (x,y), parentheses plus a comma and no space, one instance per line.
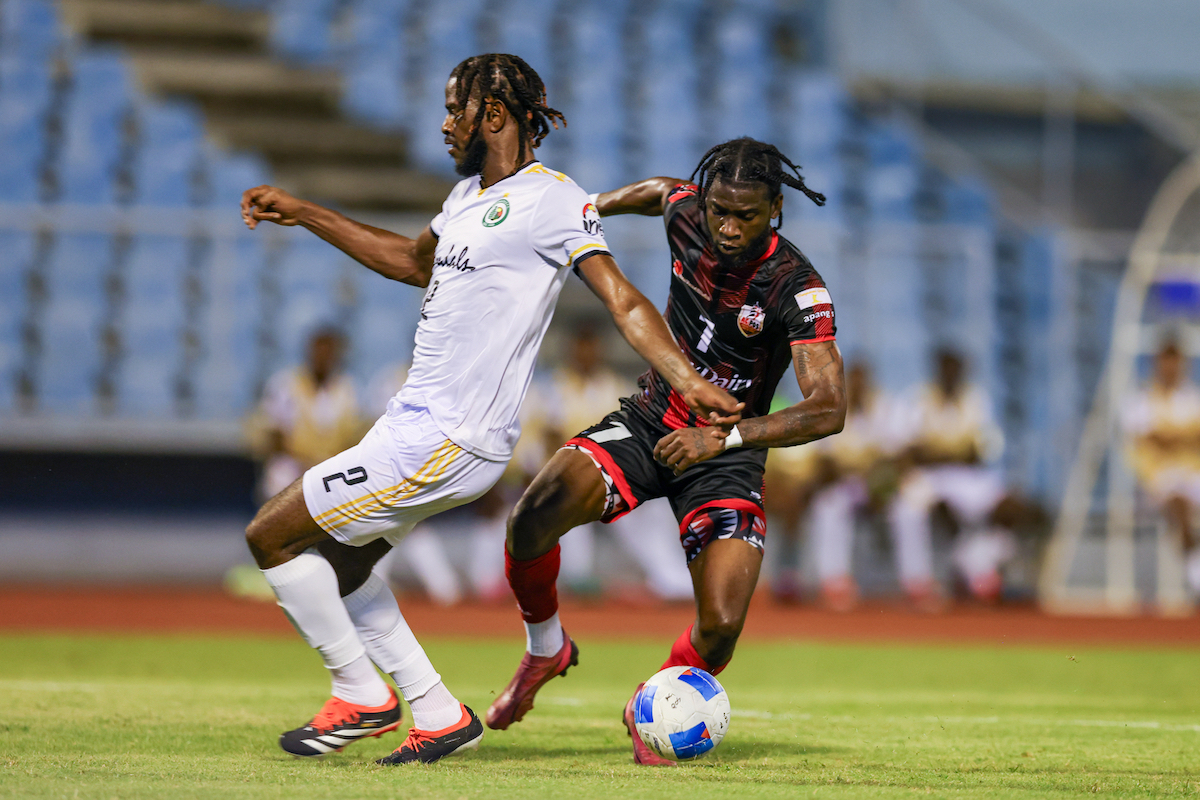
(646,331)
(648,198)
(390,254)
(822,412)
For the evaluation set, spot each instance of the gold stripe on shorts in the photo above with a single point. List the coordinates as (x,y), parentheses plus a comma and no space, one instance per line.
(359,508)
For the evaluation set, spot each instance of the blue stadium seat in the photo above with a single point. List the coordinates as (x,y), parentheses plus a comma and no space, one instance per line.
(675,139)
(100,99)
(24,100)
(29,26)
(229,323)
(230,175)
(301,28)
(152,321)
(71,323)
(449,38)
(596,110)
(169,148)
(743,75)
(375,64)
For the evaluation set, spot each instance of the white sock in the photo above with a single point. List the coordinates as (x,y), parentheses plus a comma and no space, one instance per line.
(391,645)
(359,683)
(306,589)
(544,638)
(435,710)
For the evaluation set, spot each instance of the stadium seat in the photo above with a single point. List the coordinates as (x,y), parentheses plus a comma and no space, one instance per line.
(448,38)
(170,136)
(24,100)
(231,174)
(596,110)
(97,107)
(674,137)
(300,29)
(375,64)
(228,327)
(742,102)
(29,27)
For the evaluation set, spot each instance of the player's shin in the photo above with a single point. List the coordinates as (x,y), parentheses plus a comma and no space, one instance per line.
(307,590)
(390,643)
(684,654)
(533,582)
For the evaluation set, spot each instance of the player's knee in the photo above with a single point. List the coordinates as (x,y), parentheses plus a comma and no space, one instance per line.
(721,629)
(259,539)
(532,527)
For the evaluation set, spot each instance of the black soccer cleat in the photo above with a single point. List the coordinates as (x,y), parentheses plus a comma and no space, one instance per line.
(338,724)
(430,746)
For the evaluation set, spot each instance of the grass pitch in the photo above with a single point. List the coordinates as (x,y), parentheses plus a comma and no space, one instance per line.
(132,717)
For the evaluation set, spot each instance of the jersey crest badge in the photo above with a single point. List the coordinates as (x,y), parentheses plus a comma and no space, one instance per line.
(751,319)
(496,214)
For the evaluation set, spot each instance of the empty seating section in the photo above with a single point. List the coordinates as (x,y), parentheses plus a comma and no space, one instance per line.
(172,309)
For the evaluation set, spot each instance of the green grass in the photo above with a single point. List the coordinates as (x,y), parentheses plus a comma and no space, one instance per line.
(198,717)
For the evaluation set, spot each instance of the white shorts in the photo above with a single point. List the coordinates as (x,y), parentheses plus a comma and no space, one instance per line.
(1174,482)
(972,492)
(403,470)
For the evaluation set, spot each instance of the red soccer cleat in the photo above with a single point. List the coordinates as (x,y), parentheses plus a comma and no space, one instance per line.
(641,753)
(534,672)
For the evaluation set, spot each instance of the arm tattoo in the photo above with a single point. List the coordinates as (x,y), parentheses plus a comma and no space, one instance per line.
(822,411)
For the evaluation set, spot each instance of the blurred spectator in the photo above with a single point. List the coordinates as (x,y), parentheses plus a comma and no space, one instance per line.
(858,472)
(792,475)
(953,445)
(1162,423)
(307,414)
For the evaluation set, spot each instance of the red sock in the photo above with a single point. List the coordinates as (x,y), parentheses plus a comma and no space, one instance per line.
(533,582)
(683,654)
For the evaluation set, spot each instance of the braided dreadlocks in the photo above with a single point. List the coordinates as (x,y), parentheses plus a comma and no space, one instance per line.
(747,160)
(510,80)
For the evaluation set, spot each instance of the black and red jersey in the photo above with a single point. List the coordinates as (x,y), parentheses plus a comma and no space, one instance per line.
(736,325)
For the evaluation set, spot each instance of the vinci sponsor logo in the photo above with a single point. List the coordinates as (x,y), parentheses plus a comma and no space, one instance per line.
(813,297)
(591,220)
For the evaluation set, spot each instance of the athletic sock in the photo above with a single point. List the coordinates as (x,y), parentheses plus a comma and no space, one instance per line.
(533,583)
(435,710)
(544,638)
(359,683)
(390,643)
(306,588)
(683,654)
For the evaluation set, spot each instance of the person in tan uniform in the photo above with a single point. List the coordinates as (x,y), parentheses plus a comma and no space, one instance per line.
(307,414)
(953,445)
(1162,426)
(858,472)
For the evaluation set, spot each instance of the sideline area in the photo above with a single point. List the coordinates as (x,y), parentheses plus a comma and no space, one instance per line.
(184,609)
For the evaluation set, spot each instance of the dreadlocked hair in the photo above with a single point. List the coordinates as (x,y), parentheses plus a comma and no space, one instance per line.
(747,160)
(510,80)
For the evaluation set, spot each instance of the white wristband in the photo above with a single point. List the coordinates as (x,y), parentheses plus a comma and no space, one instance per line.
(734,439)
(594,197)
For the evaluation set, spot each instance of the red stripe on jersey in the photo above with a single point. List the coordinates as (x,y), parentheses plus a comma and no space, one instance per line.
(771,248)
(683,190)
(829,338)
(679,415)
(616,473)
(735,503)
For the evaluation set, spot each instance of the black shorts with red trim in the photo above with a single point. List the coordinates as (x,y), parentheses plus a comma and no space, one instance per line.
(622,446)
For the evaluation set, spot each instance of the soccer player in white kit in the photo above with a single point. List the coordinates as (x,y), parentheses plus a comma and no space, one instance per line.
(493,263)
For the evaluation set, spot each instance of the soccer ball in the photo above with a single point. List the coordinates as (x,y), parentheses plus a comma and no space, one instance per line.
(681,713)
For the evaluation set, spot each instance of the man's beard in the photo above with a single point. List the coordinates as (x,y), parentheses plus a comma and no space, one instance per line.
(473,157)
(754,250)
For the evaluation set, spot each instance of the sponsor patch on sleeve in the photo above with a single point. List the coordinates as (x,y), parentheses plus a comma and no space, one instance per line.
(813,297)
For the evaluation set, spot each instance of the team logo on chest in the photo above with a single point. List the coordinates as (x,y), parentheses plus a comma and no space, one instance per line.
(497,213)
(751,319)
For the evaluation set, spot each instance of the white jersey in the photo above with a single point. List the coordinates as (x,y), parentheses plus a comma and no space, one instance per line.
(502,257)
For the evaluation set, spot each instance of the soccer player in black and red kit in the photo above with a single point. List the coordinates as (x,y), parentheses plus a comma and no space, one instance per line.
(744,302)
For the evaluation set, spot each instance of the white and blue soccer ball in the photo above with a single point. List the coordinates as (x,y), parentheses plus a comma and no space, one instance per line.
(681,713)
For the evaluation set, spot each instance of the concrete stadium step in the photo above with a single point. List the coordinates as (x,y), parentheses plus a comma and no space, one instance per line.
(371,188)
(221,58)
(239,82)
(168,23)
(288,140)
